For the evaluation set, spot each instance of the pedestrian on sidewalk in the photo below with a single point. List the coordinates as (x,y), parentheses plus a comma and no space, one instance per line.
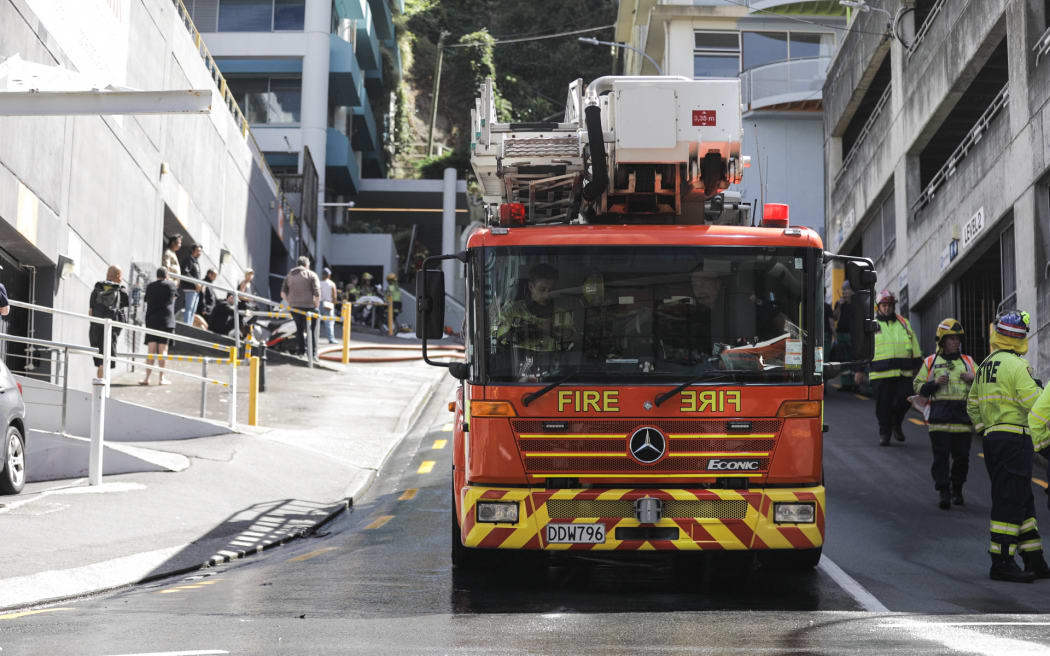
(328,292)
(171,258)
(897,356)
(301,290)
(191,290)
(109,300)
(206,305)
(160,299)
(944,380)
(999,402)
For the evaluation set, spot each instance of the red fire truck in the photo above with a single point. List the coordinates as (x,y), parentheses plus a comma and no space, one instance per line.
(644,357)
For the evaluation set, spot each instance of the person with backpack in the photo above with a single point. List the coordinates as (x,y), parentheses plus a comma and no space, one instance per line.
(108,300)
(944,380)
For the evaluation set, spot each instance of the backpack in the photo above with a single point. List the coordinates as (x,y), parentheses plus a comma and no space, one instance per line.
(107,301)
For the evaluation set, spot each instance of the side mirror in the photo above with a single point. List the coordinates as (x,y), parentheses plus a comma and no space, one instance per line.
(862,278)
(459,370)
(430,304)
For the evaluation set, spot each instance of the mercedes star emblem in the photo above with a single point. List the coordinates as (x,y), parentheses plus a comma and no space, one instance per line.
(647,445)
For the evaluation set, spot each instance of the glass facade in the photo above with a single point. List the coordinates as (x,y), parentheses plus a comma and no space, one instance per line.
(266,100)
(252,15)
(716,54)
(762,48)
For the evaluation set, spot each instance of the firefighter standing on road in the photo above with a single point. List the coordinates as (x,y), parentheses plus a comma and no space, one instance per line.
(897,356)
(998,404)
(945,379)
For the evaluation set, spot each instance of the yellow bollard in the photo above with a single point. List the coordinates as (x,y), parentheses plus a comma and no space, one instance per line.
(253,391)
(390,318)
(346,332)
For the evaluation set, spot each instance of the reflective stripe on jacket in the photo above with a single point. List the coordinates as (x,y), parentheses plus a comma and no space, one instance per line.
(897,350)
(1038,417)
(1002,394)
(948,401)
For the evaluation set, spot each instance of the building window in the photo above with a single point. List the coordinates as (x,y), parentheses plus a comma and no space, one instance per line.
(716,54)
(260,15)
(268,100)
(761,48)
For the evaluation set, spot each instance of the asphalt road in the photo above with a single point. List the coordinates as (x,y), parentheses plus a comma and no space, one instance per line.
(900,577)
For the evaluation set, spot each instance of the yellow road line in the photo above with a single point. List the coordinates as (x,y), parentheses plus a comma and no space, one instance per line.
(426,467)
(379,521)
(861,397)
(312,554)
(439,444)
(447,428)
(26,613)
(408,495)
(917,422)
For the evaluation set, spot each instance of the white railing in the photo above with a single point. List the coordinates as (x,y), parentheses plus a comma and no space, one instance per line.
(864,131)
(962,150)
(101,386)
(1042,46)
(793,80)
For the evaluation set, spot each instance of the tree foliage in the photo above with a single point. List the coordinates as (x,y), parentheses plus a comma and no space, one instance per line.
(531,77)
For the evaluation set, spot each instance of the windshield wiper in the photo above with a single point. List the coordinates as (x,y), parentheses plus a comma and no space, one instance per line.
(707,375)
(529,398)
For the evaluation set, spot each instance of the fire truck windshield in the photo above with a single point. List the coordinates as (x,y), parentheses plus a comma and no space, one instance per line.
(645,314)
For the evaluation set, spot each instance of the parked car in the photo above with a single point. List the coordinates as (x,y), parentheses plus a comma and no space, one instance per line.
(13,445)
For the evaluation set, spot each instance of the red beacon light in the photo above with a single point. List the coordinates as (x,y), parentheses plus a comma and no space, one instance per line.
(774,215)
(512,214)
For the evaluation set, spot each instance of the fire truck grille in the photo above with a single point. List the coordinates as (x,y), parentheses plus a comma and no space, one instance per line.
(624,427)
(619,445)
(624,509)
(581,446)
(626,464)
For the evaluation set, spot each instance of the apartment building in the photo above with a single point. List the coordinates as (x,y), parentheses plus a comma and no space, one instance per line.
(780,50)
(310,76)
(936,156)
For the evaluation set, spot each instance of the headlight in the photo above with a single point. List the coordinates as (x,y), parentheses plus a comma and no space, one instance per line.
(794,513)
(497,512)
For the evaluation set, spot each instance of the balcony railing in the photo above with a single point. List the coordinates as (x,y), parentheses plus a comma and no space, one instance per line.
(920,34)
(1042,46)
(864,131)
(791,81)
(962,150)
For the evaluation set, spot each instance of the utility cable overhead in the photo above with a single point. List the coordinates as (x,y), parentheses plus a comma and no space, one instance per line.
(535,38)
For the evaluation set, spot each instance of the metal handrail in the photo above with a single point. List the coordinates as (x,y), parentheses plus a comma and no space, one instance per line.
(1042,46)
(925,27)
(79,348)
(119,324)
(962,150)
(863,134)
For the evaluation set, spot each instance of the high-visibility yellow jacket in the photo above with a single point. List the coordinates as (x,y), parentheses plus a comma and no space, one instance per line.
(897,350)
(948,401)
(1038,417)
(1002,394)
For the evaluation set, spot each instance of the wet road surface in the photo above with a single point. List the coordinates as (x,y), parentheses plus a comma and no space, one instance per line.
(379,580)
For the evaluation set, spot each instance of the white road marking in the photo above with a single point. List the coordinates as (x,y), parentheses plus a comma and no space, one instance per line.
(74,489)
(198,652)
(859,593)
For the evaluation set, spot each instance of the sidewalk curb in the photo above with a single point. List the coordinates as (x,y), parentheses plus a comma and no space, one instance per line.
(404,426)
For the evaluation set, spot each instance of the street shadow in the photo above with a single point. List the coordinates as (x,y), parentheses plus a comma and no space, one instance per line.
(254,529)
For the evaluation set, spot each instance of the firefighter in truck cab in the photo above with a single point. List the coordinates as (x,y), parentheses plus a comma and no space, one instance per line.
(999,402)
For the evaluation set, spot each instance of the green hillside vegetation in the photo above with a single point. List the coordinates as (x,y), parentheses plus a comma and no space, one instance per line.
(531,77)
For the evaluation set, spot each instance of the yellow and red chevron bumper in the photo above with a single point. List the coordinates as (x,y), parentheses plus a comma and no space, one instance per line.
(730,519)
